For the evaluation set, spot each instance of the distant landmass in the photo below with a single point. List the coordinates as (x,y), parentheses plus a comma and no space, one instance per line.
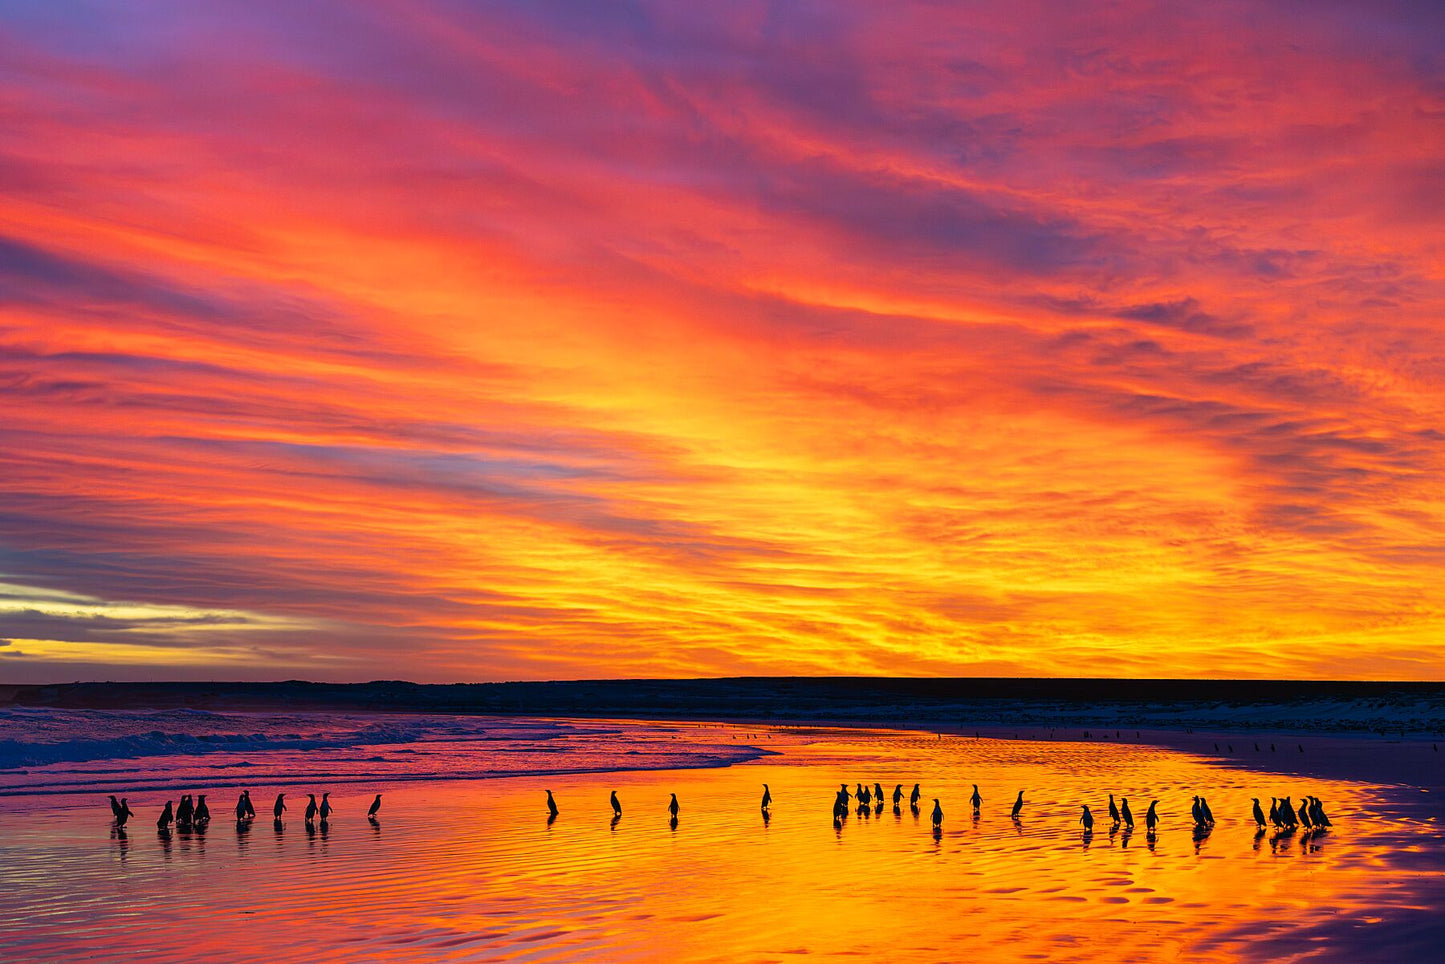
(1397,708)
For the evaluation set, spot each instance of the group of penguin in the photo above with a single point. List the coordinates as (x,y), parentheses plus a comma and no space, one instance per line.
(1282,812)
(1311,814)
(189,815)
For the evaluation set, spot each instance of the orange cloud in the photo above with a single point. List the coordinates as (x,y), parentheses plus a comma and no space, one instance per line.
(527,341)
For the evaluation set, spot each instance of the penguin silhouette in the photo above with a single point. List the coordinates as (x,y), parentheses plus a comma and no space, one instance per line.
(1018,805)
(878,793)
(1304,813)
(1113,811)
(1258,812)
(1208,814)
(1197,812)
(168,815)
(672,807)
(241,806)
(914,797)
(616,806)
(552,810)
(1087,819)
(976,800)
(1151,817)
(897,796)
(767,797)
(375,806)
(279,807)
(1274,811)
(185,810)
(937,813)
(1125,812)
(203,812)
(114,807)
(325,806)
(311,807)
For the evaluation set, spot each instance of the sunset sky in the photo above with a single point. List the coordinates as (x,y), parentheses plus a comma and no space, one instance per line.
(472,341)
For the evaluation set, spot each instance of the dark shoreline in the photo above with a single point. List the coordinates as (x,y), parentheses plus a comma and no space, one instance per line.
(1406,710)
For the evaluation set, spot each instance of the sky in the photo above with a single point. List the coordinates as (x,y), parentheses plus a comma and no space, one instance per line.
(479,341)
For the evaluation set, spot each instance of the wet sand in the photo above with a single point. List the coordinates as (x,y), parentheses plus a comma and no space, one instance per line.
(471,870)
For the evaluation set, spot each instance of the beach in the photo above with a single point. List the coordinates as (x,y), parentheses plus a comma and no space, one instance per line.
(465,868)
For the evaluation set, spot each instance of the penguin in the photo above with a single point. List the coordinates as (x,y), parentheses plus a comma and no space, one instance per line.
(897,796)
(1304,812)
(1286,813)
(672,807)
(1274,811)
(375,806)
(976,800)
(878,793)
(914,797)
(1208,814)
(279,807)
(125,813)
(552,810)
(1151,817)
(185,810)
(167,815)
(767,797)
(250,807)
(1113,811)
(203,812)
(1018,805)
(1087,819)
(1317,810)
(1258,813)
(937,813)
(241,807)
(1125,812)
(114,807)
(616,806)
(1197,813)
(865,796)
(325,805)
(310,807)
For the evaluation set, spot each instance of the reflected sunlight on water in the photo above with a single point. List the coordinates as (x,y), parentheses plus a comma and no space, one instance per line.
(471,870)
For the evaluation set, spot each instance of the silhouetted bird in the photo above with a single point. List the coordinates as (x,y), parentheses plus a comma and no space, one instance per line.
(1258,812)
(1286,813)
(878,793)
(914,797)
(1151,817)
(1317,810)
(241,806)
(767,797)
(185,810)
(279,807)
(1087,819)
(375,806)
(865,798)
(1113,811)
(114,807)
(1018,804)
(1124,810)
(616,806)
(552,810)
(325,806)
(897,796)
(203,812)
(975,800)
(937,813)
(1198,812)
(167,816)
(1208,814)
(672,807)
(1304,812)
(1274,811)
(311,807)
(1301,747)
(125,813)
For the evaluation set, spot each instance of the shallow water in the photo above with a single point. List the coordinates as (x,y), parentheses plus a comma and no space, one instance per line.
(470,869)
